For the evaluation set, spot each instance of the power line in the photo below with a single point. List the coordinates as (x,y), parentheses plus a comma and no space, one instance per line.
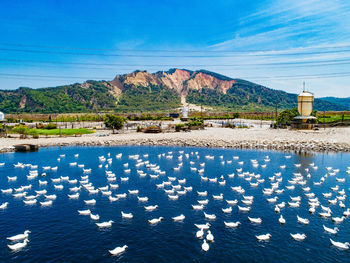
(314,76)
(168,56)
(184,50)
(290,63)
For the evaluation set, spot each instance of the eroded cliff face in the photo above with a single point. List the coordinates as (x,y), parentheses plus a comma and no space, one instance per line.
(179,80)
(201,80)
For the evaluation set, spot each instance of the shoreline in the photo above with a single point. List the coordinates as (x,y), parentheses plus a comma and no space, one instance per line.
(332,140)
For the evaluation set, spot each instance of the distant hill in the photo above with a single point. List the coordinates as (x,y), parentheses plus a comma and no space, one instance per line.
(163,90)
(340,101)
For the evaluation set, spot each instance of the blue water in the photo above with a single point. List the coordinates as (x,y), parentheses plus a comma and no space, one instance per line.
(60,234)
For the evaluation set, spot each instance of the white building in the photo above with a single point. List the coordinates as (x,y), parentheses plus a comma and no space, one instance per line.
(2,116)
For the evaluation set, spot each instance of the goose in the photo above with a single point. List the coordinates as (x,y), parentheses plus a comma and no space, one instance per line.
(197,207)
(19,236)
(255,220)
(179,218)
(330,230)
(203,226)
(312,209)
(210,236)
(227,210)
(200,233)
(19,245)
(133,192)
(232,224)
(94,217)
(155,220)
(339,244)
(118,250)
(205,246)
(298,237)
(84,212)
(303,220)
(151,208)
(105,224)
(210,216)
(127,215)
(264,237)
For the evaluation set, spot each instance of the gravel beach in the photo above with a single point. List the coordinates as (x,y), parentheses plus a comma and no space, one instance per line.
(331,139)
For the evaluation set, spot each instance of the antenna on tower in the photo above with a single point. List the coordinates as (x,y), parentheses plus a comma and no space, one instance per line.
(303,85)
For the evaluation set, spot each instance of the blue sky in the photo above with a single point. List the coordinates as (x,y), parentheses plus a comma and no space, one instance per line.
(278,43)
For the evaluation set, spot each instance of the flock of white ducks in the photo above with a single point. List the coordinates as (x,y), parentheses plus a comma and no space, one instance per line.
(175,187)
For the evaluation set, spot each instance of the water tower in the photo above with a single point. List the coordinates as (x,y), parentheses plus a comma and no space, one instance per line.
(184,114)
(305,107)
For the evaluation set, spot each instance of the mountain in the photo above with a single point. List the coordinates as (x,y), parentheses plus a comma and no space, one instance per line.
(159,91)
(340,101)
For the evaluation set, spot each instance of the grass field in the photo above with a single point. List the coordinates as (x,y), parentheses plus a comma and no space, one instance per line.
(332,118)
(67,132)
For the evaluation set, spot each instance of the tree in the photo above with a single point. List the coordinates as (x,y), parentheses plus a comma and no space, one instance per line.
(286,116)
(114,122)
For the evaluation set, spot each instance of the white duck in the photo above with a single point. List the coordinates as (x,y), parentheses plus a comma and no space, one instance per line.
(105,224)
(210,236)
(127,215)
(84,212)
(19,245)
(264,237)
(4,205)
(203,226)
(155,220)
(232,224)
(339,244)
(330,230)
(298,237)
(94,217)
(200,233)
(282,220)
(205,246)
(118,250)
(179,218)
(255,220)
(19,236)
(303,220)
(210,216)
